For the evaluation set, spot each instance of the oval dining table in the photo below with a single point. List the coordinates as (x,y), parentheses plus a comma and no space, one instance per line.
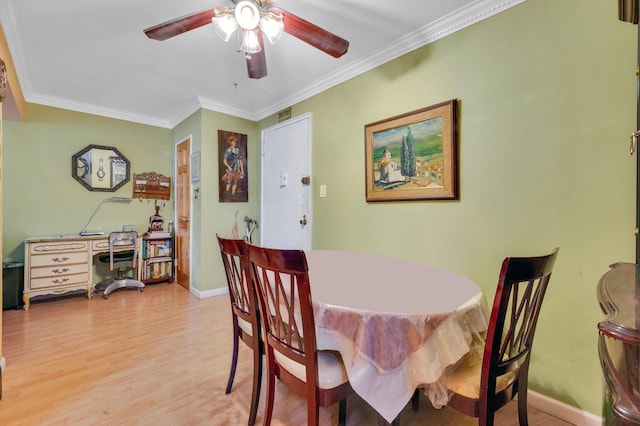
(397,324)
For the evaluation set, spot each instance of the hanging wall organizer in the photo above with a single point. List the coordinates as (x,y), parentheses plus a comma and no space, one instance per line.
(151,185)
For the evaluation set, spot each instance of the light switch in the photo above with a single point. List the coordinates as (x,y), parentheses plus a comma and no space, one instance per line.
(284,179)
(323,191)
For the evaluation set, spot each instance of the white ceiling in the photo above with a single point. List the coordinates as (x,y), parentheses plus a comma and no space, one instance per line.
(93,56)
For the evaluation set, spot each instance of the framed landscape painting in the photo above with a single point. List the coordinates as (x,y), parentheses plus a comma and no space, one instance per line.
(413,156)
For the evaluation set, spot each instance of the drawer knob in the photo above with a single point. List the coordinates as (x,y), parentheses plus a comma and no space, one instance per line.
(56,259)
(62,281)
(60,271)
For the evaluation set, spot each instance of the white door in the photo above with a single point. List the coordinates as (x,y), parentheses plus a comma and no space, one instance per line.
(286,190)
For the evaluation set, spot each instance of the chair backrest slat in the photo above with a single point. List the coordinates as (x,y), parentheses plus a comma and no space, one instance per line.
(123,238)
(241,292)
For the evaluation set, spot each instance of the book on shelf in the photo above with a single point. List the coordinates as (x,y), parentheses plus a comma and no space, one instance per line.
(158,234)
(160,259)
(156,248)
(158,270)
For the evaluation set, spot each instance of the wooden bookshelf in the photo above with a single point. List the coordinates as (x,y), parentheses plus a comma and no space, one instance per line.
(156,258)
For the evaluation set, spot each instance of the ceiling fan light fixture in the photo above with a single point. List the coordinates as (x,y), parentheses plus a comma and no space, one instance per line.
(224,24)
(250,42)
(247,15)
(272,25)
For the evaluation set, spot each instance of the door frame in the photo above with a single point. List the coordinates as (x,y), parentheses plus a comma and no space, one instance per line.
(175,210)
(309,118)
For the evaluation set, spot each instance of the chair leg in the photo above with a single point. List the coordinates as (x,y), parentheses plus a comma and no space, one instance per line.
(313,412)
(485,413)
(271,387)
(234,359)
(342,412)
(257,380)
(522,406)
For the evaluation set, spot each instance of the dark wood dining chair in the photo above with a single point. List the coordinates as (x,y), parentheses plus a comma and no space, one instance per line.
(480,390)
(282,284)
(244,312)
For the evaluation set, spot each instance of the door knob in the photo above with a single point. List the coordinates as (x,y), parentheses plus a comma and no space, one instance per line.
(303,221)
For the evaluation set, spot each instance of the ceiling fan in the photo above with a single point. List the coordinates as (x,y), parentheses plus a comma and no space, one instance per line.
(253,19)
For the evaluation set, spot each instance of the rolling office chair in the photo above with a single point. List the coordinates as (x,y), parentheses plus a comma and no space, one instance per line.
(122,260)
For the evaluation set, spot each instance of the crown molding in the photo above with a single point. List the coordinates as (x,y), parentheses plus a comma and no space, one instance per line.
(226,109)
(447,25)
(56,102)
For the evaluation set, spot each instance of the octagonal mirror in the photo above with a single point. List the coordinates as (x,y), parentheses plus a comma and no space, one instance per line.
(100,168)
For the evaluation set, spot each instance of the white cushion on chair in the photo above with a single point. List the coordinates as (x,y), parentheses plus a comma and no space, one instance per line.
(465,380)
(245,326)
(331,371)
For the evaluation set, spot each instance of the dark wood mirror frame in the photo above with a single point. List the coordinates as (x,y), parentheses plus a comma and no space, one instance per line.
(100,168)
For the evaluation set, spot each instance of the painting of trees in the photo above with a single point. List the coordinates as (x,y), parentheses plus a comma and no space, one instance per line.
(408,156)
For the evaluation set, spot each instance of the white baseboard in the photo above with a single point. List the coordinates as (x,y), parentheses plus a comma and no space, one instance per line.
(562,411)
(209,293)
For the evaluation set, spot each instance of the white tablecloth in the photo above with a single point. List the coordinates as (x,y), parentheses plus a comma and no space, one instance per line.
(397,324)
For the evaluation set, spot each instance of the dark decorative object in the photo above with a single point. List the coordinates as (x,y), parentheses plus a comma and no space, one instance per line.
(156,222)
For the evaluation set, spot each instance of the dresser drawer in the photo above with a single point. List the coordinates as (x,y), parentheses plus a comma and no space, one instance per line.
(100,245)
(58,270)
(55,259)
(58,247)
(60,281)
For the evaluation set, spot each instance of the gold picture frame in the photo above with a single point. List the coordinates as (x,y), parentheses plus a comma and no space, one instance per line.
(413,156)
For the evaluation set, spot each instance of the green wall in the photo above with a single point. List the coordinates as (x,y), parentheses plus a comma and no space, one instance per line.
(209,216)
(41,198)
(547,104)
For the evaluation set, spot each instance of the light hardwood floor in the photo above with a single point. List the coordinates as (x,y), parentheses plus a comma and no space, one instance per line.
(160,357)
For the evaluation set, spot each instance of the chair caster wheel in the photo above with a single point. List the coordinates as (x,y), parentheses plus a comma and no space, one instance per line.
(105,296)
(141,289)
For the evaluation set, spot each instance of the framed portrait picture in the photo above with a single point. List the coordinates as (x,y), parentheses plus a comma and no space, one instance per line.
(232,167)
(413,156)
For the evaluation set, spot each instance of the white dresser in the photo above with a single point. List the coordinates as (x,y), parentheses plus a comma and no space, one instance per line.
(57,265)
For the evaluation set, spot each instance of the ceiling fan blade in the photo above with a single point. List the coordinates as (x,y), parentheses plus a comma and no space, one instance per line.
(257,62)
(314,35)
(180,25)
